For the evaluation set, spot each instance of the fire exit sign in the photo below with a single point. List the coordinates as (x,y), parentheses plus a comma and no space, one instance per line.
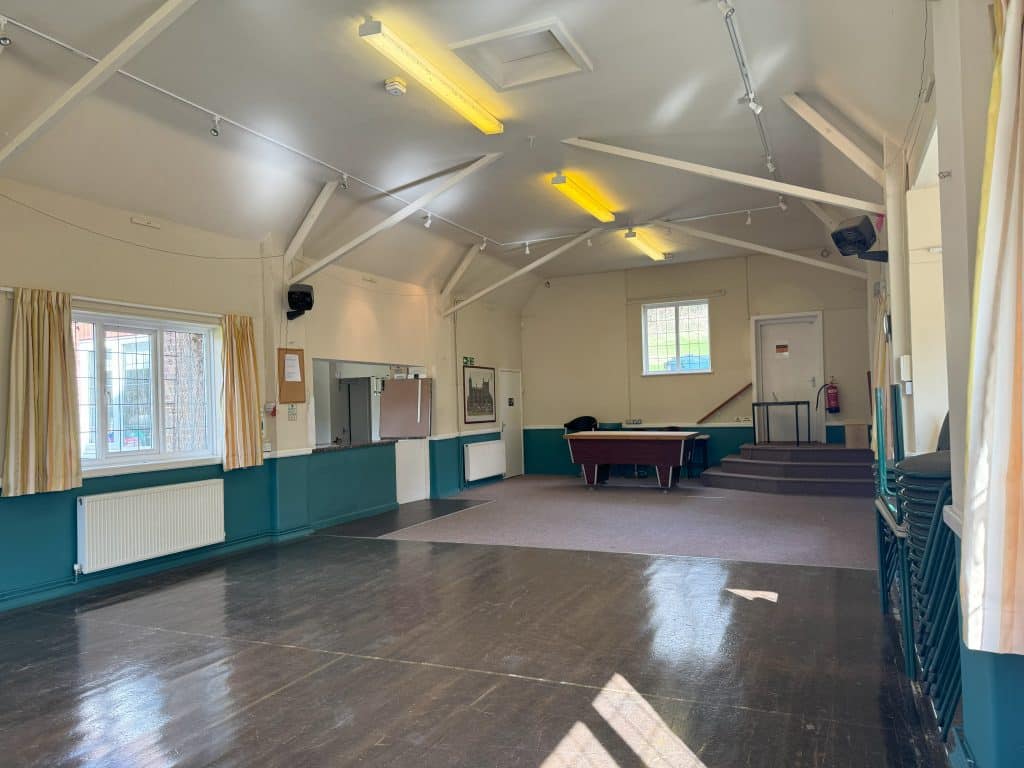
(469,361)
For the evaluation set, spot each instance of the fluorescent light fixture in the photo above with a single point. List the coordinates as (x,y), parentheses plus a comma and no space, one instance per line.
(583,197)
(429,76)
(641,243)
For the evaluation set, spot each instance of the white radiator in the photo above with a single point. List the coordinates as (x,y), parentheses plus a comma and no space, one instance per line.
(120,528)
(485,459)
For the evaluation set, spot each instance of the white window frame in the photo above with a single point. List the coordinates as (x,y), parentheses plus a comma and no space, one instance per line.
(158,453)
(675,306)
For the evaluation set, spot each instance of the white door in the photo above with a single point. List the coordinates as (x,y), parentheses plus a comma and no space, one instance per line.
(510,413)
(412,470)
(789,352)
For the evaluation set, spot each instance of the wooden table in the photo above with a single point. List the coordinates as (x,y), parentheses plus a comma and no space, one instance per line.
(667,451)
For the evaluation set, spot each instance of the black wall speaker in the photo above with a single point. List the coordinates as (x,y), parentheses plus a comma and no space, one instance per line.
(854,236)
(300,300)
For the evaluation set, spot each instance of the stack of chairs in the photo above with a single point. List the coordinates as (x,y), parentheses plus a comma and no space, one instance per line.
(923,484)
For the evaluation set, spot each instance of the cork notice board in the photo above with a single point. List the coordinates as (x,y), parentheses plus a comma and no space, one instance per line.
(291,375)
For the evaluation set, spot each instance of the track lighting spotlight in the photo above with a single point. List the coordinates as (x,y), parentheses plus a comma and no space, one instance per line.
(630,233)
(769,163)
(783,205)
(527,249)
(215,128)
(726,8)
(4,39)
(755,105)
(483,245)
(344,181)
(750,219)
(429,220)
(590,242)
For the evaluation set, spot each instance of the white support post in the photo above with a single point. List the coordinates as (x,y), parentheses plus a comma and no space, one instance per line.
(98,74)
(317,208)
(723,240)
(459,271)
(757,182)
(899,278)
(525,270)
(416,205)
(836,138)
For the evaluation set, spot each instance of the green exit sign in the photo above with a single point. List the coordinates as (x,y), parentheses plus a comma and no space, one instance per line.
(469,361)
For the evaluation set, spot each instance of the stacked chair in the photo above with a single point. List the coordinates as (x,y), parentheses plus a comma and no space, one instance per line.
(924,489)
(918,561)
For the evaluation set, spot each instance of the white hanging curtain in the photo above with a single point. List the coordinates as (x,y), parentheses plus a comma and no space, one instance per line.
(992,567)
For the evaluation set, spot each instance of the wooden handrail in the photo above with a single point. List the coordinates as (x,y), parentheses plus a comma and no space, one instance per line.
(724,403)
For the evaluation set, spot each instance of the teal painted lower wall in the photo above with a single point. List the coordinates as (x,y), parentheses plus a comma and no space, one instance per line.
(447,465)
(835,434)
(283,499)
(547,454)
(993,707)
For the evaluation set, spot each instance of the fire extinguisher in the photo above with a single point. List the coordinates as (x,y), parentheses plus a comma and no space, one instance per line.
(831,396)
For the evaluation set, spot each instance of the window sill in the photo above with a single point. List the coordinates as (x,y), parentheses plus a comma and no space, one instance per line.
(109,470)
(678,373)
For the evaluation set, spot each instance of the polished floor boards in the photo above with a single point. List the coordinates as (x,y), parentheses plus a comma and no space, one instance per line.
(340,651)
(406,515)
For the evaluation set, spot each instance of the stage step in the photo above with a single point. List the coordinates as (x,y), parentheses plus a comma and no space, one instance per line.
(803,486)
(820,470)
(813,452)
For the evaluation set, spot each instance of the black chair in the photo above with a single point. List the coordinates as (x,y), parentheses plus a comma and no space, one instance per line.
(581,424)
(587,424)
(699,454)
(944,435)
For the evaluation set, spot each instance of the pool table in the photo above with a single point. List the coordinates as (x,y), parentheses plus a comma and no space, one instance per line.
(666,451)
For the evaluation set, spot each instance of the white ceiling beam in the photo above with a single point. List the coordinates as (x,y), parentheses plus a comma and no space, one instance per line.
(525,270)
(831,222)
(757,182)
(459,271)
(100,72)
(416,205)
(836,138)
(317,208)
(723,240)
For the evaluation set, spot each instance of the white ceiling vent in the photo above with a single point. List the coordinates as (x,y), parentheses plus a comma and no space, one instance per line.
(524,55)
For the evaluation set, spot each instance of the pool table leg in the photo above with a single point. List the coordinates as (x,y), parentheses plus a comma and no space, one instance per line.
(665,476)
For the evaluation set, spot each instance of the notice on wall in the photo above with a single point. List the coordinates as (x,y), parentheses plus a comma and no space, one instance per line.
(291,366)
(292,370)
(782,350)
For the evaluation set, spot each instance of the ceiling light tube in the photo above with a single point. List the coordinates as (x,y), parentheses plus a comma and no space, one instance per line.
(641,243)
(429,76)
(582,197)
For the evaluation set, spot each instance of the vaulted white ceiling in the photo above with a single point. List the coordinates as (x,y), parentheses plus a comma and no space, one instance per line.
(664,81)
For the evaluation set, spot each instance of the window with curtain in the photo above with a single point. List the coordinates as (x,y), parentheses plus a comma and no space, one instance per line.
(145,390)
(676,337)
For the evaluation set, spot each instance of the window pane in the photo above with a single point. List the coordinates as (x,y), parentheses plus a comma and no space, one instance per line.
(694,339)
(186,384)
(85,372)
(661,339)
(129,390)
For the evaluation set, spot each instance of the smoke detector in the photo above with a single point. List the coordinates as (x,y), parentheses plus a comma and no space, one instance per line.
(395,86)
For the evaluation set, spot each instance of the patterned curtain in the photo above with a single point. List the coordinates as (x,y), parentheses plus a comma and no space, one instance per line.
(41,451)
(992,567)
(242,446)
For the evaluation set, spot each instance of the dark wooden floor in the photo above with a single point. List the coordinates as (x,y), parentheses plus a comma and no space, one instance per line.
(406,516)
(336,651)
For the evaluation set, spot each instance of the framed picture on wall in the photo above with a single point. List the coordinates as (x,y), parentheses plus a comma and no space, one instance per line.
(478,395)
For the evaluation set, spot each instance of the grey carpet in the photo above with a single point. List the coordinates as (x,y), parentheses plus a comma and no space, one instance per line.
(560,513)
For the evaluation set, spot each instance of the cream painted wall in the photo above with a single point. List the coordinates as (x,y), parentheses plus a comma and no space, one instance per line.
(492,335)
(64,243)
(927,310)
(357,316)
(582,339)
